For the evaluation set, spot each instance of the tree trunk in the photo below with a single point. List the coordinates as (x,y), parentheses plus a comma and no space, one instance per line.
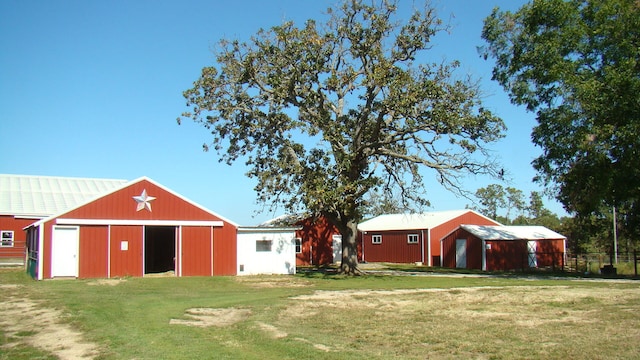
(349,265)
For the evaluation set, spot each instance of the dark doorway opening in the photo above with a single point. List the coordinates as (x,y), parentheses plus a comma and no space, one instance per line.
(159,249)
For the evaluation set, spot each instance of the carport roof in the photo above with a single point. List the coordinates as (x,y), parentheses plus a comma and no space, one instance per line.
(41,196)
(486,232)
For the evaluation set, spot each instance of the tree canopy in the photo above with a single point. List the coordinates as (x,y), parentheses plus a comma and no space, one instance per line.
(323,114)
(576,64)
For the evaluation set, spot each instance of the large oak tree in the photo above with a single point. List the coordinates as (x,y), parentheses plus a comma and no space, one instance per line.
(323,114)
(576,64)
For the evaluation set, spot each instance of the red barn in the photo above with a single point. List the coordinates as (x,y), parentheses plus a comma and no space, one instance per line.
(26,198)
(136,229)
(503,248)
(408,238)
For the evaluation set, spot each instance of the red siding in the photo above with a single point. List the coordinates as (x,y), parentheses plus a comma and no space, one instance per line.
(503,254)
(440,231)
(101,254)
(47,229)
(196,251)
(94,247)
(126,262)
(317,241)
(225,250)
(9,223)
(121,206)
(394,247)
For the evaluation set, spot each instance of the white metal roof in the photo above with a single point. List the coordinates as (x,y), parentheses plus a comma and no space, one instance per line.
(427,220)
(486,232)
(41,196)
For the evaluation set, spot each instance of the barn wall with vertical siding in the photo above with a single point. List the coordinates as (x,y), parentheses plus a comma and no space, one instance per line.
(438,232)
(474,249)
(197,251)
(394,246)
(114,249)
(317,241)
(502,255)
(225,249)
(93,252)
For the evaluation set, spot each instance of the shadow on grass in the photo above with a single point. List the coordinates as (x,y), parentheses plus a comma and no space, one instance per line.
(387,269)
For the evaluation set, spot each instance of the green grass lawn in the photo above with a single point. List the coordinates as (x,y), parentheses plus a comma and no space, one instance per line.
(315,316)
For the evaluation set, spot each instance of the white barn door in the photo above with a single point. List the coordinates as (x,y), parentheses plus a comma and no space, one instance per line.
(461,253)
(337,248)
(64,251)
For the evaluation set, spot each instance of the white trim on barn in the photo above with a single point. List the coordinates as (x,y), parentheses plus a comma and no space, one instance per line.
(63,221)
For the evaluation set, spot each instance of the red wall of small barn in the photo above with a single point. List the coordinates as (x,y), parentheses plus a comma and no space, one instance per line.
(438,232)
(550,253)
(317,241)
(9,223)
(394,247)
(196,251)
(474,250)
(93,255)
(126,262)
(507,255)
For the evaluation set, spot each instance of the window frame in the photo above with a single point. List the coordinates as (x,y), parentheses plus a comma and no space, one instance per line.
(261,245)
(10,240)
(298,245)
(411,237)
(376,239)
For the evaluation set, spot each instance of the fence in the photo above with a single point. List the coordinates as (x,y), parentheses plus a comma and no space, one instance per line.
(594,263)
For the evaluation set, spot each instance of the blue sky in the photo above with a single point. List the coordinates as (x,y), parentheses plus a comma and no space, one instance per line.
(93,89)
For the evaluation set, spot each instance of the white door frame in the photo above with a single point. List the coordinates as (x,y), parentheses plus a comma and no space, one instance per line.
(65,251)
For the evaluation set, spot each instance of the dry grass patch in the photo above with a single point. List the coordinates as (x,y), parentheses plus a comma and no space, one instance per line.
(25,321)
(275,281)
(542,321)
(205,317)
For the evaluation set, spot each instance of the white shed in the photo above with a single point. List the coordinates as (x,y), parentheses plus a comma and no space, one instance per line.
(266,250)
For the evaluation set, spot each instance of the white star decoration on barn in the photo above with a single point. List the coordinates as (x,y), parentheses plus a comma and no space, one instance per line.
(144,201)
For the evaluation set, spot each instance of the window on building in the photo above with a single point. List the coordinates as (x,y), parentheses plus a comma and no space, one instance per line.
(412,238)
(7,239)
(298,245)
(263,245)
(376,239)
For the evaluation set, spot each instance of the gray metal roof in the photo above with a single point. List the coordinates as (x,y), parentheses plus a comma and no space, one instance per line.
(41,196)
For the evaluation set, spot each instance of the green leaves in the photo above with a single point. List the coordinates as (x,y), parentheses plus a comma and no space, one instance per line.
(324,114)
(575,63)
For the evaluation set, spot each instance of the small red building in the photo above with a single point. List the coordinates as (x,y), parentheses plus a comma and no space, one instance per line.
(136,229)
(25,199)
(412,238)
(493,248)
(318,242)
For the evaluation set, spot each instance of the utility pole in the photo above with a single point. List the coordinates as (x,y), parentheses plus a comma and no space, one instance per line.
(615,236)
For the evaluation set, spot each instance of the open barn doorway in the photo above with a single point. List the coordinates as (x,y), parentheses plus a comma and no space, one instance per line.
(159,249)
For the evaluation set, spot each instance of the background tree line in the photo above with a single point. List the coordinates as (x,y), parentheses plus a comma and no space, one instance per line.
(585,234)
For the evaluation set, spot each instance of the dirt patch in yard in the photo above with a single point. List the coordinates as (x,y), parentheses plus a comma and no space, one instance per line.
(205,317)
(25,320)
(109,282)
